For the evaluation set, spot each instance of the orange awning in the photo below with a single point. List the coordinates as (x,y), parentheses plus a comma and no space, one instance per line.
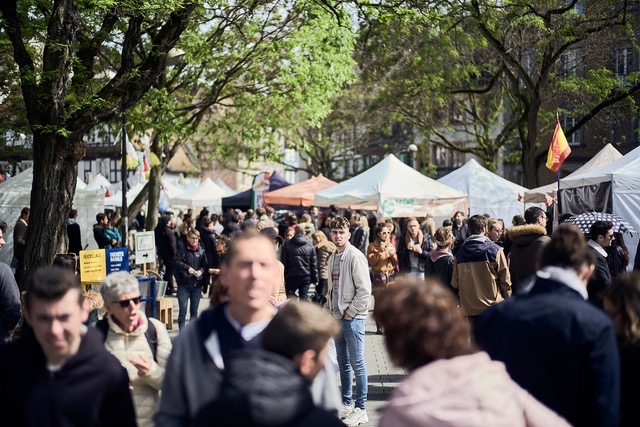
(300,194)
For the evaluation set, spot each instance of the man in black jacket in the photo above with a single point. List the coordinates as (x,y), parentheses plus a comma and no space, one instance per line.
(98,231)
(359,234)
(300,264)
(601,237)
(61,375)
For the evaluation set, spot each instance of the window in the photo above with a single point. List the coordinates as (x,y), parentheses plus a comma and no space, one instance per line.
(439,156)
(567,123)
(457,159)
(291,176)
(289,155)
(114,170)
(569,63)
(623,61)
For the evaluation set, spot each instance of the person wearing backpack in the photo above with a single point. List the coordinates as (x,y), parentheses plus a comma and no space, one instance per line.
(141,344)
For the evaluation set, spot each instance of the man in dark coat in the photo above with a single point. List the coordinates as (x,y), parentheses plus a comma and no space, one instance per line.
(526,244)
(166,249)
(61,375)
(10,306)
(20,242)
(359,234)
(295,349)
(601,237)
(554,343)
(98,231)
(300,264)
(73,233)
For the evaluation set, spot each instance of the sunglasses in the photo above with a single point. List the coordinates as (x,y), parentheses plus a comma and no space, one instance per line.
(125,303)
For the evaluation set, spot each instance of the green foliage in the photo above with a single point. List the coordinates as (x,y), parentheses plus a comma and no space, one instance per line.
(251,74)
(500,65)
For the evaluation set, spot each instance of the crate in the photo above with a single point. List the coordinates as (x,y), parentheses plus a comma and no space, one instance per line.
(164,311)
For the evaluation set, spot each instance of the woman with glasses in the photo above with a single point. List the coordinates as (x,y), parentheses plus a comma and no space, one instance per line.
(383,260)
(141,344)
(190,269)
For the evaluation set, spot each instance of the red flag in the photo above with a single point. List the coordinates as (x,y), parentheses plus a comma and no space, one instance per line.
(559,149)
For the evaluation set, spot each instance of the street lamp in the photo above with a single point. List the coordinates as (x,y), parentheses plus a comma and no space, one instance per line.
(413,151)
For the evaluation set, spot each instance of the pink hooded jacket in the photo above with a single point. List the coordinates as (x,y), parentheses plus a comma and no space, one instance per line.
(466,391)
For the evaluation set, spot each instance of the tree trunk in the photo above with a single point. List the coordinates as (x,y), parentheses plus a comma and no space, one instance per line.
(55,173)
(529,169)
(154,197)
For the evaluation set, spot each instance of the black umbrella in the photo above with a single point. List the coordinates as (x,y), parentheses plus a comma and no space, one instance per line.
(585,220)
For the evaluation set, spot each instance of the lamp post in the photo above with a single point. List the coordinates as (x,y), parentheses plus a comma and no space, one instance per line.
(123,175)
(413,151)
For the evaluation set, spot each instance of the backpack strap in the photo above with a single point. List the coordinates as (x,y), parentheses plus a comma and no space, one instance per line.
(151,334)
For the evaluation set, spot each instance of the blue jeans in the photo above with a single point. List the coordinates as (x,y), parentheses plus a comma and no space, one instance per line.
(416,275)
(350,353)
(302,286)
(186,293)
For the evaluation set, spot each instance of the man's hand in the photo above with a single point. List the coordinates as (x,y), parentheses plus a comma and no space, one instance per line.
(192,271)
(347,317)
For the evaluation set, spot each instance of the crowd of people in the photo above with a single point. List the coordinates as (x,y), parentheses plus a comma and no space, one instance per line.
(518,326)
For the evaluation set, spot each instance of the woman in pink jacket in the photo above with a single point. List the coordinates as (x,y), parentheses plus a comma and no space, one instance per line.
(451,384)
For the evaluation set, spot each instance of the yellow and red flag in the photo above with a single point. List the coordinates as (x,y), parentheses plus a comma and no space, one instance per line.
(559,149)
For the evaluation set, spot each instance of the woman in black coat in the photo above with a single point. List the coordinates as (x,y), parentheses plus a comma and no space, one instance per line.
(439,264)
(622,303)
(208,241)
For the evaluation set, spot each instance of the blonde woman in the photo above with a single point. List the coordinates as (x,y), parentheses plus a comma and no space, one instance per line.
(324,248)
(383,260)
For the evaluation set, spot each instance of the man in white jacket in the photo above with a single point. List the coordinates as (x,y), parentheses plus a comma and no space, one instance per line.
(348,300)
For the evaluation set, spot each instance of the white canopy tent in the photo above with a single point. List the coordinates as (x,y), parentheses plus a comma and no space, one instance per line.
(208,194)
(98,183)
(396,190)
(15,193)
(488,193)
(614,187)
(604,157)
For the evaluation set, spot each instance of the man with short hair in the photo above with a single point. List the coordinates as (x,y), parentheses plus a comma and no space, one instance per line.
(10,307)
(195,369)
(313,213)
(20,243)
(480,271)
(61,375)
(98,231)
(295,349)
(348,299)
(300,264)
(359,234)
(526,244)
(601,234)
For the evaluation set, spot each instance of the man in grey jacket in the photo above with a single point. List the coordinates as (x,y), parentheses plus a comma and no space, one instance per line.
(348,300)
(194,372)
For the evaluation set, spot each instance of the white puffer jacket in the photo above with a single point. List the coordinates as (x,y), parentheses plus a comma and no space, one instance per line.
(128,346)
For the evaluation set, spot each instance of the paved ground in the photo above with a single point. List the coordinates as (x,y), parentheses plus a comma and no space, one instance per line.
(384,377)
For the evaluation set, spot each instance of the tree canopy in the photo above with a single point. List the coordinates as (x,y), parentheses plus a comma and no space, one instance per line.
(502,69)
(246,68)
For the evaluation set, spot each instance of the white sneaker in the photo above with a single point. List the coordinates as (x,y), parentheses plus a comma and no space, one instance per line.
(345,411)
(357,417)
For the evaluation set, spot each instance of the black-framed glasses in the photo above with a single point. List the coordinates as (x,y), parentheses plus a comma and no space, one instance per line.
(125,303)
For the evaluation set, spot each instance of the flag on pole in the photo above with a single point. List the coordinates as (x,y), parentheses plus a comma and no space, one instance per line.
(559,149)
